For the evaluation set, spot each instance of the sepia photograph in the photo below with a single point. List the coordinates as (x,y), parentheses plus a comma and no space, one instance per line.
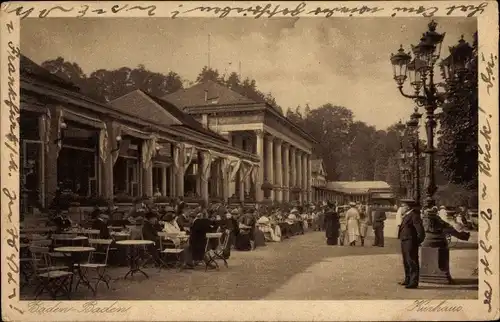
(283,159)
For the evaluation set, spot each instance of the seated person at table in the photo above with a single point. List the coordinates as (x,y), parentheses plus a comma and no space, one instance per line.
(149,232)
(100,222)
(62,222)
(182,219)
(245,238)
(198,239)
(170,227)
(136,214)
(266,228)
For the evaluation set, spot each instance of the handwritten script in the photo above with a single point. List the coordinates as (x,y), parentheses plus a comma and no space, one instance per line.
(94,307)
(433,306)
(486,215)
(10,104)
(263,10)
(488,75)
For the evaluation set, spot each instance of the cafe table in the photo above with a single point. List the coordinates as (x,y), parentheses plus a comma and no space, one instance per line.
(133,255)
(70,238)
(74,256)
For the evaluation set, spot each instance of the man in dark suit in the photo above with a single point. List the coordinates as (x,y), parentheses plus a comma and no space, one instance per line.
(150,232)
(99,222)
(411,233)
(378,227)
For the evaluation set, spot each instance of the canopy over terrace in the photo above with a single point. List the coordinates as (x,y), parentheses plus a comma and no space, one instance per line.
(363,191)
(71,141)
(255,126)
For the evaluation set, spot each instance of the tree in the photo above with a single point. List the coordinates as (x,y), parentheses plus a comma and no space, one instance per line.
(108,85)
(458,132)
(208,73)
(66,70)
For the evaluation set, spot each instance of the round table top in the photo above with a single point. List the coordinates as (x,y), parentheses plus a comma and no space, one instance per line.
(69,238)
(37,229)
(74,249)
(135,242)
(23,245)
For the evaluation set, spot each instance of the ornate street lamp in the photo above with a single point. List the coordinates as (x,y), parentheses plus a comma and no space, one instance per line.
(413,125)
(435,252)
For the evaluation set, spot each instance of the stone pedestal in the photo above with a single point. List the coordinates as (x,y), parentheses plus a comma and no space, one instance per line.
(435,265)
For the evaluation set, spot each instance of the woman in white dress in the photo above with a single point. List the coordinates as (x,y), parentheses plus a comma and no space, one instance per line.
(352,219)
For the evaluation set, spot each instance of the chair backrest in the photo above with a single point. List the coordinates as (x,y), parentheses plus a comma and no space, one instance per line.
(40,257)
(102,247)
(165,242)
(41,242)
(224,240)
(92,233)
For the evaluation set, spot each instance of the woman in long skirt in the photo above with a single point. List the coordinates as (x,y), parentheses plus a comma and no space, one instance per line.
(352,219)
(332,226)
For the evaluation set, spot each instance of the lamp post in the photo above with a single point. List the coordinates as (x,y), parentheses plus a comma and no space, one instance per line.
(435,252)
(403,168)
(413,125)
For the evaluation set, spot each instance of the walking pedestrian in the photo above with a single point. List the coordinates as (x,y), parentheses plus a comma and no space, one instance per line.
(352,218)
(411,233)
(363,224)
(332,225)
(379,218)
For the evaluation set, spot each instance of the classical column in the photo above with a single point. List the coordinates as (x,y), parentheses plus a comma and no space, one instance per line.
(241,182)
(179,178)
(205,159)
(279,171)
(147,175)
(270,163)
(305,178)
(299,174)
(309,178)
(163,180)
(259,194)
(286,172)
(293,170)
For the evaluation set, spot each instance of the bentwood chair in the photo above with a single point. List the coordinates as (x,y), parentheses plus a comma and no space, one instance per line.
(51,279)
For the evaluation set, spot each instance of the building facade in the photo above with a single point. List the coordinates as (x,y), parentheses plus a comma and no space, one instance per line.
(137,145)
(365,192)
(284,149)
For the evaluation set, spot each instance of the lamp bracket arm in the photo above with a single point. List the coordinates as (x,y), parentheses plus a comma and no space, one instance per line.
(418,97)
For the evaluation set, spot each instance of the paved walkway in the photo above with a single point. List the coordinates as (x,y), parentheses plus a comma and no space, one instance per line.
(300,268)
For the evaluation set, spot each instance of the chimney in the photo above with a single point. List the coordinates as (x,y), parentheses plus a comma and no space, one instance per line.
(206,95)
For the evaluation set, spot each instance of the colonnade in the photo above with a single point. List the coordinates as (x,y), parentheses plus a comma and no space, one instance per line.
(282,164)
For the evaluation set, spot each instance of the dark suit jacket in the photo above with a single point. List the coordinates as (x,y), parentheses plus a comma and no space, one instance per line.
(197,238)
(378,218)
(411,228)
(149,231)
(102,227)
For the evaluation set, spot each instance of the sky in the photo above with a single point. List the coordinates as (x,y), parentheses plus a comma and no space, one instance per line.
(343,61)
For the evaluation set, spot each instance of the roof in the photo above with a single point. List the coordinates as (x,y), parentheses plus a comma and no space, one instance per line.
(186,119)
(357,186)
(155,110)
(215,94)
(32,69)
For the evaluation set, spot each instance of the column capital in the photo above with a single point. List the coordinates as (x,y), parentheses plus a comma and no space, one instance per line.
(278,142)
(260,133)
(270,137)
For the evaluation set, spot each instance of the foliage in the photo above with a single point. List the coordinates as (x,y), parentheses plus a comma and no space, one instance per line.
(108,85)
(454,195)
(458,132)
(246,87)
